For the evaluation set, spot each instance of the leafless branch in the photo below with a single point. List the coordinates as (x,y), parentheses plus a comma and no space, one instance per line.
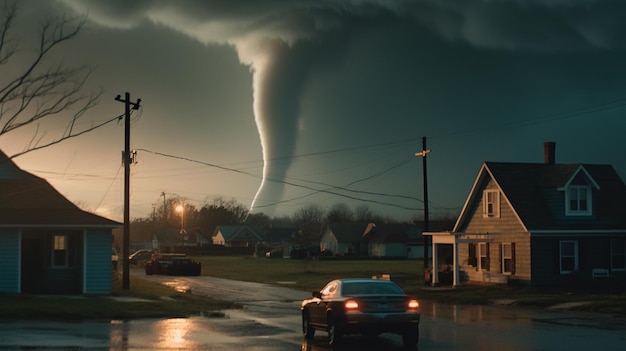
(40,90)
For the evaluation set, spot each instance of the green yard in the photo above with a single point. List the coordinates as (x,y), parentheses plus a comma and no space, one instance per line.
(149,299)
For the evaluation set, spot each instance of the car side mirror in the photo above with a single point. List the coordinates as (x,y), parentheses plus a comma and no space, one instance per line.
(317,294)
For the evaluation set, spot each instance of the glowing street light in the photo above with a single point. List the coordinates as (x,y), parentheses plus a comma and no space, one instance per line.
(181,209)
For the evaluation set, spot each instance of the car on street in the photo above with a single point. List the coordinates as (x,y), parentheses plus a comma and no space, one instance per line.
(172,264)
(361,306)
(140,257)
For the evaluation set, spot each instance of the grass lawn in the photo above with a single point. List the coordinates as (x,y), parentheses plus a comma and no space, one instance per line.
(307,275)
(153,300)
(311,275)
(149,300)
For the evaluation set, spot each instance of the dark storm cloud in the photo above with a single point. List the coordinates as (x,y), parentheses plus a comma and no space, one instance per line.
(283,41)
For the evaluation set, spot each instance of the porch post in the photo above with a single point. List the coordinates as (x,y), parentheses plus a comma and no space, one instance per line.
(455,259)
(434,270)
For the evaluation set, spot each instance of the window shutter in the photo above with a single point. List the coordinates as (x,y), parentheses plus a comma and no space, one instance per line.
(488,258)
(513,258)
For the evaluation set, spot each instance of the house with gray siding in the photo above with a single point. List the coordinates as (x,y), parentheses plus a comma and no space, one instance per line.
(47,244)
(537,224)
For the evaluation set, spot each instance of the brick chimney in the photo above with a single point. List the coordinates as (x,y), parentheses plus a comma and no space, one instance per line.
(549,152)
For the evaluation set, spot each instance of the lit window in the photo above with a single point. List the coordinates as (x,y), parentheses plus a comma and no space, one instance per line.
(568,250)
(578,200)
(59,254)
(491,204)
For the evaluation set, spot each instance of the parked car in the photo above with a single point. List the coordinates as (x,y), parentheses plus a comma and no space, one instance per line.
(114,258)
(172,264)
(140,257)
(365,306)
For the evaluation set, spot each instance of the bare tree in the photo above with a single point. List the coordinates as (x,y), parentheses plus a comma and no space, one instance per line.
(340,213)
(39,89)
(309,219)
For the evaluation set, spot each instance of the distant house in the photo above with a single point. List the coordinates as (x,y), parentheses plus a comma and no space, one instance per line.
(538,224)
(169,239)
(415,244)
(344,238)
(369,239)
(237,236)
(47,244)
(387,240)
(276,237)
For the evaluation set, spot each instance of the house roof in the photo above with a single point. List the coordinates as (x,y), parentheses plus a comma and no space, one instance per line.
(348,232)
(535,192)
(169,236)
(29,201)
(389,233)
(232,233)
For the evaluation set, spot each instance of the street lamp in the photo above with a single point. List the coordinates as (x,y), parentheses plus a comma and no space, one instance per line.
(181,209)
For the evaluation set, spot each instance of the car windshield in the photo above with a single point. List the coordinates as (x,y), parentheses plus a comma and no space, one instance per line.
(370,288)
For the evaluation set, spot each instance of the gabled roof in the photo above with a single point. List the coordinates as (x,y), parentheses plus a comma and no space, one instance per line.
(535,192)
(389,233)
(347,232)
(29,201)
(172,236)
(233,233)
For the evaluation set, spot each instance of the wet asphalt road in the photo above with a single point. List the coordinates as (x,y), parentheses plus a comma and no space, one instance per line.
(270,320)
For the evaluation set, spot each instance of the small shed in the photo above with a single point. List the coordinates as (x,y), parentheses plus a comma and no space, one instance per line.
(47,244)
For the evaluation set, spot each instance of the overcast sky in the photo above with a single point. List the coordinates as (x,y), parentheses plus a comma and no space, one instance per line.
(279,104)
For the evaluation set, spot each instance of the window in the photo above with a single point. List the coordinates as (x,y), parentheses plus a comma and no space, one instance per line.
(491,204)
(568,251)
(483,253)
(472,260)
(578,200)
(618,254)
(508,258)
(59,253)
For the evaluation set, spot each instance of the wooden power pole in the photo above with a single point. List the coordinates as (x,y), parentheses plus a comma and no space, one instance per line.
(127,159)
(423,153)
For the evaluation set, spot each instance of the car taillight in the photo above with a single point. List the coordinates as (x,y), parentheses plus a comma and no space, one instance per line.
(413,305)
(351,306)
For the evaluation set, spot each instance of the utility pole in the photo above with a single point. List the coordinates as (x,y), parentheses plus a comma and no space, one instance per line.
(423,153)
(127,159)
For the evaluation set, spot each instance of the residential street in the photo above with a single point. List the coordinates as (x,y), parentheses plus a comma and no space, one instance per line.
(270,321)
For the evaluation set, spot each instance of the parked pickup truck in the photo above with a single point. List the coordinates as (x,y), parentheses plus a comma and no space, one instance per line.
(172,264)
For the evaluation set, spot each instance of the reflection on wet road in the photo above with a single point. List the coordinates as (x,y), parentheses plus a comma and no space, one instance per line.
(270,321)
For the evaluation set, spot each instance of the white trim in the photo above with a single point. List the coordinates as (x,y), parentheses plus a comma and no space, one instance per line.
(472,197)
(589,177)
(502,257)
(495,203)
(480,254)
(575,242)
(623,242)
(586,189)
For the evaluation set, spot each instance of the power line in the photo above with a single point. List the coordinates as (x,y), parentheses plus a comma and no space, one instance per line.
(282,181)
